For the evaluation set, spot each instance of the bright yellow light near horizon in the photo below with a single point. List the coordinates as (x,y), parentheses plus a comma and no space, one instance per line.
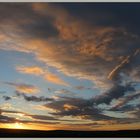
(30,126)
(18,125)
(15,125)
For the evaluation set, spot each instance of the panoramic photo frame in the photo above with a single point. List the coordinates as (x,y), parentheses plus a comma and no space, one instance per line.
(69,69)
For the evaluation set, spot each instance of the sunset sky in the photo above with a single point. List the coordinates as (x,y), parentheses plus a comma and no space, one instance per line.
(70,66)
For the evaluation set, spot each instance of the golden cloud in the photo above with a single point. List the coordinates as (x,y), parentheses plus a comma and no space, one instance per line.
(35,70)
(30,70)
(23,88)
(55,79)
(69,107)
(27,89)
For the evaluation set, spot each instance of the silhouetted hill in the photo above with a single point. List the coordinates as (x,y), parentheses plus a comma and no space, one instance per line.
(68,134)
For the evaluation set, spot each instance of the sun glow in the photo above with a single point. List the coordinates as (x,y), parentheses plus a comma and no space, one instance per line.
(18,125)
(15,125)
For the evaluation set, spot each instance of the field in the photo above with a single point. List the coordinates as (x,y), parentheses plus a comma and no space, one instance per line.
(68,134)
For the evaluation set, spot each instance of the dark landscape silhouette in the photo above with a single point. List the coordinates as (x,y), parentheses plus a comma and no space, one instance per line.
(68,133)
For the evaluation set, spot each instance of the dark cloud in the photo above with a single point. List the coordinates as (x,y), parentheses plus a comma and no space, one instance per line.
(22,16)
(11,111)
(6,98)
(37,117)
(34,98)
(115,92)
(76,107)
(128,108)
(112,14)
(6,119)
(124,101)
(42,117)
(37,99)
(88,110)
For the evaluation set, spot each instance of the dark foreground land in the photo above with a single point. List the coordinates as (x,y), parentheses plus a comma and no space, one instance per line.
(68,134)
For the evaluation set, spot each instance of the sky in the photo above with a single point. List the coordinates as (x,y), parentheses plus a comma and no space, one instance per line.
(70,66)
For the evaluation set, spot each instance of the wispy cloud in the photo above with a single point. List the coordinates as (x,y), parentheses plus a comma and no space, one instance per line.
(23,88)
(30,70)
(123,101)
(81,87)
(38,71)
(55,79)
(35,118)
(115,92)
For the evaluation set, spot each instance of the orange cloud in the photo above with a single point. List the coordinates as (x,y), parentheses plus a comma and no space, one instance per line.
(27,89)
(38,107)
(6,106)
(69,107)
(55,79)
(30,70)
(116,69)
(23,88)
(35,70)
(68,27)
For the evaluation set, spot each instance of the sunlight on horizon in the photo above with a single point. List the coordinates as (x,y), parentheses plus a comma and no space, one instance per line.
(16,125)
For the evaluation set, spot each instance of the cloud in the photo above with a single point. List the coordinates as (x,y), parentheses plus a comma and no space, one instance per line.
(6,98)
(64,92)
(23,88)
(116,92)
(7,119)
(6,106)
(76,107)
(118,67)
(125,108)
(137,112)
(39,107)
(123,101)
(37,117)
(86,109)
(55,79)
(30,70)
(12,112)
(38,71)
(82,88)
(87,50)
(34,118)
(69,107)
(78,43)
(34,98)
(42,117)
